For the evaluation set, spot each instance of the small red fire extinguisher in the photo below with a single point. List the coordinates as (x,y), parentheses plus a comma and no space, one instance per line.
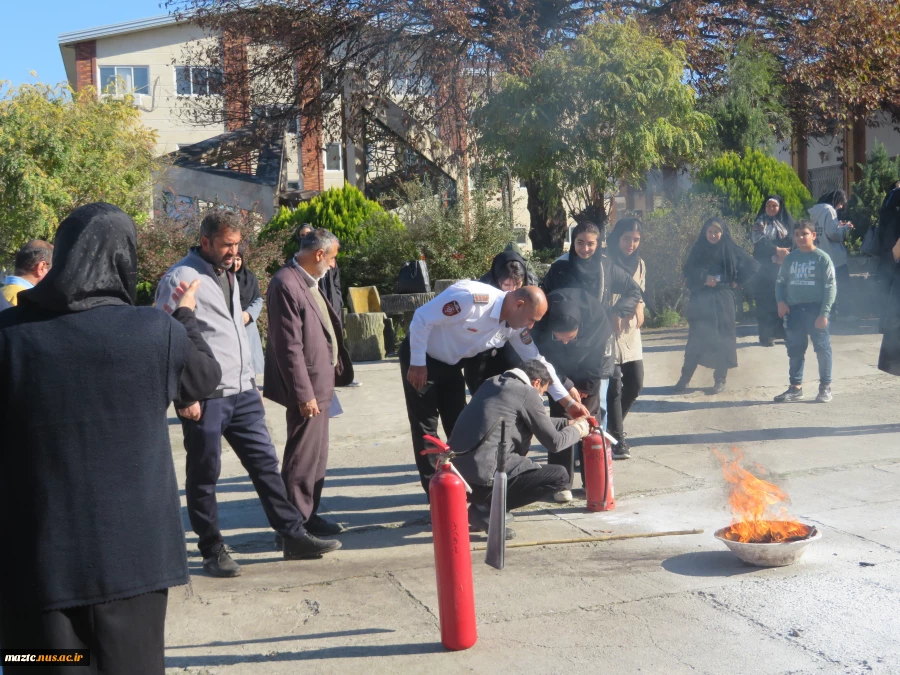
(452,557)
(596,452)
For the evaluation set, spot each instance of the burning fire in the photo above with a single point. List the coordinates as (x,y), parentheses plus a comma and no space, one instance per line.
(755,518)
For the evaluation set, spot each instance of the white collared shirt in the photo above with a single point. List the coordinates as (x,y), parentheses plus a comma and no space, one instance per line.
(464,321)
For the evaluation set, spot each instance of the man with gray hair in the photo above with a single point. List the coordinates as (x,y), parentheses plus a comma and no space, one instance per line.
(235,410)
(305,359)
(33,261)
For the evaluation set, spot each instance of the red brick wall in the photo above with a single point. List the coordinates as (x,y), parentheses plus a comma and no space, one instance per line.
(237,85)
(311,152)
(85,64)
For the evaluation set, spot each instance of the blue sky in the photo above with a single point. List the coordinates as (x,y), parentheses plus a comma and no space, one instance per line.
(31,27)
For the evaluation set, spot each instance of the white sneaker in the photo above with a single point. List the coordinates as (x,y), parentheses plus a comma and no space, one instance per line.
(563,496)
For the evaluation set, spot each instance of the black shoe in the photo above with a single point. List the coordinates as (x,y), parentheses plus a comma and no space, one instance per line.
(322,528)
(485,513)
(682,385)
(481,523)
(308,546)
(621,451)
(824,394)
(220,564)
(792,394)
(718,388)
(767,343)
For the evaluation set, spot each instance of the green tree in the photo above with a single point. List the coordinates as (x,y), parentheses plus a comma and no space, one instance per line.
(879,175)
(743,181)
(344,211)
(748,107)
(607,108)
(61,149)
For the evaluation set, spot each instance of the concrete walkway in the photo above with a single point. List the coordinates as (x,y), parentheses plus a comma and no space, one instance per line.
(670,605)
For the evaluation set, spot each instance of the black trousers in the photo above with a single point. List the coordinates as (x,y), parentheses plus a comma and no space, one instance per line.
(566,458)
(488,364)
(621,395)
(444,396)
(241,420)
(125,637)
(690,366)
(843,303)
(527,487)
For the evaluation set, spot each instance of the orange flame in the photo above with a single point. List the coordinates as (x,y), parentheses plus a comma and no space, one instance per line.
(753,504)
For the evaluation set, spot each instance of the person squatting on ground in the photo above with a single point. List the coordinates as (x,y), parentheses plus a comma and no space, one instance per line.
(466,319)
(89,503)
(626,385)
(577,338)
(830,236)
(715,266)
(515,397)
(508,272)
(772,237)
(33,262)
(305,358)
(805,290)
(251,306)
(235,410)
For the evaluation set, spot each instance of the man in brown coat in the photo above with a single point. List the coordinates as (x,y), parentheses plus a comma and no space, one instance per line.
(305,358)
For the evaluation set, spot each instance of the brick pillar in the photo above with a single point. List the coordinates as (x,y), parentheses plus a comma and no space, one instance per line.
(236,90)
(85,65)
(311,155)
(800,152)
(859,147)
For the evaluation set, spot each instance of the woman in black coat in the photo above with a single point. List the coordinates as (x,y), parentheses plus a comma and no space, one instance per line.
(772,241)
(714,268)
(508,272)
(88,495)
(889,356)
(577,338)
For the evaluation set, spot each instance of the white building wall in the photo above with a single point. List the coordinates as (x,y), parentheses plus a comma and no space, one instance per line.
(160,49)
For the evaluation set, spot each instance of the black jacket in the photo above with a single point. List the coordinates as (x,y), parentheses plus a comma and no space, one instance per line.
(611,279)
(87,484)
(330,285)
(592,356)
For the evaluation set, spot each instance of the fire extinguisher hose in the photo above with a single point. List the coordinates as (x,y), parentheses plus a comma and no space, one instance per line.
(586,540)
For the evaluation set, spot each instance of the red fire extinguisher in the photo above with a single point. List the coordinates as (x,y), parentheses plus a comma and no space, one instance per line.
(452,557)
(598,473)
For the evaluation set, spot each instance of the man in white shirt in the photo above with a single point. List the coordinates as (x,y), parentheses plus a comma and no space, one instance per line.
(466,319)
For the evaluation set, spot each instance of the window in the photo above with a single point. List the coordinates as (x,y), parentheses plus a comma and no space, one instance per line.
(196,81)
(334,157)
(281,112)
(121,80)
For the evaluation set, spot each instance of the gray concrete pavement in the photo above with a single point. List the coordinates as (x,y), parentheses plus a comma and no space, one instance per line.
(670,605)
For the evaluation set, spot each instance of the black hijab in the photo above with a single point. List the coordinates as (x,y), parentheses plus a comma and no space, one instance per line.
(629,263)
(248,284)
(498,269)
(735,262)
(584,357)
(94,262)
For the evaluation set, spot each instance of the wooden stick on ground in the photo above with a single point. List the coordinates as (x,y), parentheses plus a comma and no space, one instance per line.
(612,537)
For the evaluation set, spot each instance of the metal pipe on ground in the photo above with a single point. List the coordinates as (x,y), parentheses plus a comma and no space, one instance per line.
(587,540)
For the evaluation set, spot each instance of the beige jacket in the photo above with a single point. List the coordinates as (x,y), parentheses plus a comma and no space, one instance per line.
(628,344)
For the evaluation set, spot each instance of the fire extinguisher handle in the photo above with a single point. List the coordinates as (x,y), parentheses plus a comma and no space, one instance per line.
(439,449)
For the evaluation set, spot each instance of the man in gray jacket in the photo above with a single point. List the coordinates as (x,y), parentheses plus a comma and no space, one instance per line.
(235,410)
(515,397)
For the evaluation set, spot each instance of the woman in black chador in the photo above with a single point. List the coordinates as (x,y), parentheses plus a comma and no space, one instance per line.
(714,268)
(772,242)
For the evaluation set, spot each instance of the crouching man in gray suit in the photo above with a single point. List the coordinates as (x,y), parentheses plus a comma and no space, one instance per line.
(515,397)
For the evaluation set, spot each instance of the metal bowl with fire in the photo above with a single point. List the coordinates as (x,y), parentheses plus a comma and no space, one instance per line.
(761,533)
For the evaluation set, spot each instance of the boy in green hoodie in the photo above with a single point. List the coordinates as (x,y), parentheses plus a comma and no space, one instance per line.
(805,291)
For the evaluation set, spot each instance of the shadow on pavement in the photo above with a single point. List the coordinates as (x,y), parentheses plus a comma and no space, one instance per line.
(342,652)
(288,638)
(646,406)
(750,435)
(707,564)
